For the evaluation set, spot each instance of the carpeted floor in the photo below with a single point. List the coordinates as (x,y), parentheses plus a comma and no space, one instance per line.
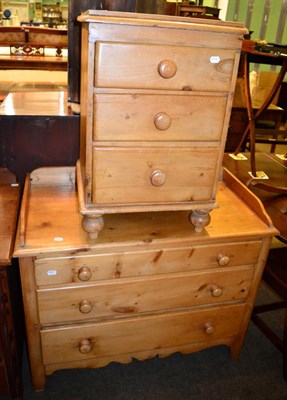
(207,375)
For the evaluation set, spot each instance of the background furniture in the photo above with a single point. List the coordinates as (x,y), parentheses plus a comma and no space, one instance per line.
(275,276)
(147,143)
(11,314)
(148,286)
(185,9)
(275,169)
(251,53)
(29,46)
(270,120)
(119,5)
(37,128)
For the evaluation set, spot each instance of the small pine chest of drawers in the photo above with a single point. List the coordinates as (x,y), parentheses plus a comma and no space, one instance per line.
(156,95)
(148,286)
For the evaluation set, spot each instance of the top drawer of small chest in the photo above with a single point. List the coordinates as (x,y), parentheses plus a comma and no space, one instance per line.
(142,66)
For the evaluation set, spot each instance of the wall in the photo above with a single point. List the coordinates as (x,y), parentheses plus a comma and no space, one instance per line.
(266,18)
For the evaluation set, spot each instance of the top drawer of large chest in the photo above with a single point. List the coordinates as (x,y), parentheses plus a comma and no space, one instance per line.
(135,263)
(166,67)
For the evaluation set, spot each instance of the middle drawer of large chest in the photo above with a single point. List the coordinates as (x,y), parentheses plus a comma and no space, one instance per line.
(132,283)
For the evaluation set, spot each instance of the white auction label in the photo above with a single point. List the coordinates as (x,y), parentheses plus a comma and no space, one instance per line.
(52,272)
(214,59)
(58,239)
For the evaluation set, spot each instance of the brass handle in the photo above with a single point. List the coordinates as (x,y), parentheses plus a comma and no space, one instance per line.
(84,274)
(209,328)
(216,291)
(85,306)
(158,178)
(167,69)
(85,346)
(162,121)
(223,260)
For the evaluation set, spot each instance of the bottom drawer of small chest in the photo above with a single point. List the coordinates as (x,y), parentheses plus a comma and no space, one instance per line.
(154,174)
(131,335)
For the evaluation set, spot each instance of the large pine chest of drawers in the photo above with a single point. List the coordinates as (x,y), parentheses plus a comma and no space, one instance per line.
(156,95)
(148,286)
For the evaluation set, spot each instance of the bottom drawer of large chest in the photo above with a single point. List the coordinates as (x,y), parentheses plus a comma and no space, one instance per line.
(134,335)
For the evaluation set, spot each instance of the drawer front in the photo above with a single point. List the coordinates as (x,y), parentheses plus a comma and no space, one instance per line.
(133,335)
(142,295)
(158,117)
(130,65)
(123,175)
(65,270)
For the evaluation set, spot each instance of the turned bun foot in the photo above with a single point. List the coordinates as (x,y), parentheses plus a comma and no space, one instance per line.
(93,224)
(199,219)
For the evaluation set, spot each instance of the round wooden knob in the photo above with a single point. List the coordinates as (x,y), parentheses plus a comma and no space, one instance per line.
(167,69)
(158,178)
(208,328)
(84,274)
(85,346)
(162,121)
(216,291)
(223,260)
(85,306)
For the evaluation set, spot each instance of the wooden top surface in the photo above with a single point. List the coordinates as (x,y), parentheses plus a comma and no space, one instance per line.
(9,203)
(119,17)
(53,221)
(276,170)
(36,103)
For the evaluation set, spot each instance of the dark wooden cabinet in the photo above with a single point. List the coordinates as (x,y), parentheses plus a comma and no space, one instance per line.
(29,142)
(74,45)
(237,124)
(11,315)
